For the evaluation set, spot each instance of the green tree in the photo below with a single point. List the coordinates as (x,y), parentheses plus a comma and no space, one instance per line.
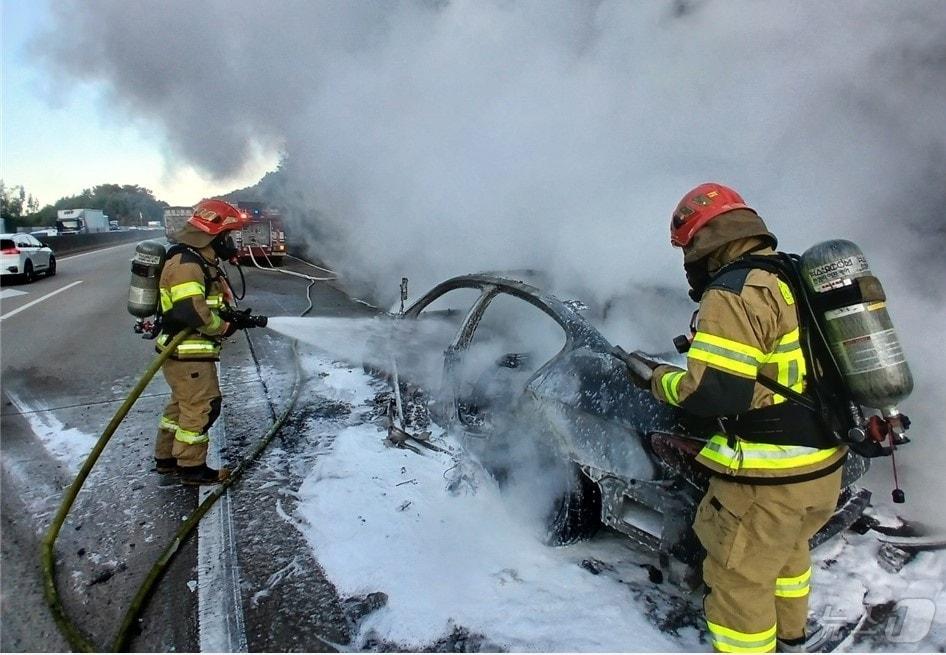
(11,205)
(129,204)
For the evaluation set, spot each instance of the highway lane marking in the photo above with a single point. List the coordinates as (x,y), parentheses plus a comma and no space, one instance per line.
(94,252)
(39,300)
(221,625)
(12,293)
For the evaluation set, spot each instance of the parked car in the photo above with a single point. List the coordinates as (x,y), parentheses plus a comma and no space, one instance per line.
(524,366)
(23,256)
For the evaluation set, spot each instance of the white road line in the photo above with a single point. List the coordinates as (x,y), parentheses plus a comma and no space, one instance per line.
(220,621)
(94,252)
(39,300)
(12,293)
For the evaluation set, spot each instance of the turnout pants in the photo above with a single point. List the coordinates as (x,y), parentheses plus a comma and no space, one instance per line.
(757,567)
(193,408)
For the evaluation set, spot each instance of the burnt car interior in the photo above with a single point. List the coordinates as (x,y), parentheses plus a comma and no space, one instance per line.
(510,342)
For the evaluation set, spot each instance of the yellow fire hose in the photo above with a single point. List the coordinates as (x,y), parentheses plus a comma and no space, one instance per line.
(77,640)
(128,626)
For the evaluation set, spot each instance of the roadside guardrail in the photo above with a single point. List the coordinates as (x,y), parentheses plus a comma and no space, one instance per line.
(66,244)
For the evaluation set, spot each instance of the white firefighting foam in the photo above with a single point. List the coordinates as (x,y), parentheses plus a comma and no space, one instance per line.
(69,445)
(384,519)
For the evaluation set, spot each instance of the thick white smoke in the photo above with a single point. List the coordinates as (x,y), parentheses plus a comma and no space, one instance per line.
(429,139)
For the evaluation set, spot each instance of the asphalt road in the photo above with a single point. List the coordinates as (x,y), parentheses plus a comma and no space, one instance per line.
(69,356)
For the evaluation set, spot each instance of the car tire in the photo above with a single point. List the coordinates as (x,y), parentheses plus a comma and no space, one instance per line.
(28,275)
(576,514)
(52,266)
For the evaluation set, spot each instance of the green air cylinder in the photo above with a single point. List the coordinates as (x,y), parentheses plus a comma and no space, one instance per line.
(145,275)
(851,307)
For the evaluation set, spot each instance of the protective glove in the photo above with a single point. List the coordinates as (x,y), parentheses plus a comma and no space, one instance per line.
(640,367)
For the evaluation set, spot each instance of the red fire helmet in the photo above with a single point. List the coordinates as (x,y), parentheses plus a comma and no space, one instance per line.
(216,216)
(699,207)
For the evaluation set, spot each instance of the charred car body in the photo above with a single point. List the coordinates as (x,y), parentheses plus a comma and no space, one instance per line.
(631,460)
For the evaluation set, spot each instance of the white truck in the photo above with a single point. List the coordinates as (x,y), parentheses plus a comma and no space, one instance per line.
(81,221)
(174,219)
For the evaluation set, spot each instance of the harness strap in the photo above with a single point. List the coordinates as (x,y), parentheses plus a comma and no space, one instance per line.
(204,265)
(791,394)
(806,419)
(861,290)
(784,424)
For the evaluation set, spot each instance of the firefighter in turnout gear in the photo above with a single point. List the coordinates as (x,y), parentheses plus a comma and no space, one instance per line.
(776,472)
(195,294)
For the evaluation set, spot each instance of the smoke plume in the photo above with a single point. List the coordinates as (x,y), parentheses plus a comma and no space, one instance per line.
(434,138)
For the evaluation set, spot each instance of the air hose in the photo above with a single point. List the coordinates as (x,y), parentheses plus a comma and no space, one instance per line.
(76,639)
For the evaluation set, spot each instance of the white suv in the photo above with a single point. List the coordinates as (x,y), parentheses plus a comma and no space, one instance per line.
(23,255)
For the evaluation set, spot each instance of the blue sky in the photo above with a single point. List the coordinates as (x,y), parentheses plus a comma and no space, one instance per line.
(58,144)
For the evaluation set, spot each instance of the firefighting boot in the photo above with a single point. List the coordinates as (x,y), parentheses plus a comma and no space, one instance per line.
(165,465)
(816,640)
(203,474)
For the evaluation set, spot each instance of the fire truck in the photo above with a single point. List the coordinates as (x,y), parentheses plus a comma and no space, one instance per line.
(264,235)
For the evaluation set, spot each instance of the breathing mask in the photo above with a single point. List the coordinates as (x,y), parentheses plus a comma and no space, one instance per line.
(224,247)
(698,277)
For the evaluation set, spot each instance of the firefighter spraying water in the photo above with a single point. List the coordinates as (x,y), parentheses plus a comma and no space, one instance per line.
(185,287)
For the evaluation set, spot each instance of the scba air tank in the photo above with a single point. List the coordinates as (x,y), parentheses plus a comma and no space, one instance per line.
(145,275)
(852,310)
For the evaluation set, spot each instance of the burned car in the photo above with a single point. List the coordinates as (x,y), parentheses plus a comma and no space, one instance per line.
(524,366)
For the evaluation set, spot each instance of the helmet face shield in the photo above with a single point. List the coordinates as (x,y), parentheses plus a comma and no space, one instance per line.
(677,224)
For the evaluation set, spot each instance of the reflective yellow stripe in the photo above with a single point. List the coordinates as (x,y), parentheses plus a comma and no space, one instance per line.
(670,383)
(796,587)
(166,303)
(193,347)
(717,450)
(788,342)
(789,359)
(215,301)
(750,455)
(186,290)
(786,293)
(196,346)
(727,640)
(188,437)
(725,354)
(751,353)
(167,424)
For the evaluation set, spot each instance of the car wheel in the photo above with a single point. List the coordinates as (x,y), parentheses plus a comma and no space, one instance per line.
(28,272)
(576,514)
(52,266)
